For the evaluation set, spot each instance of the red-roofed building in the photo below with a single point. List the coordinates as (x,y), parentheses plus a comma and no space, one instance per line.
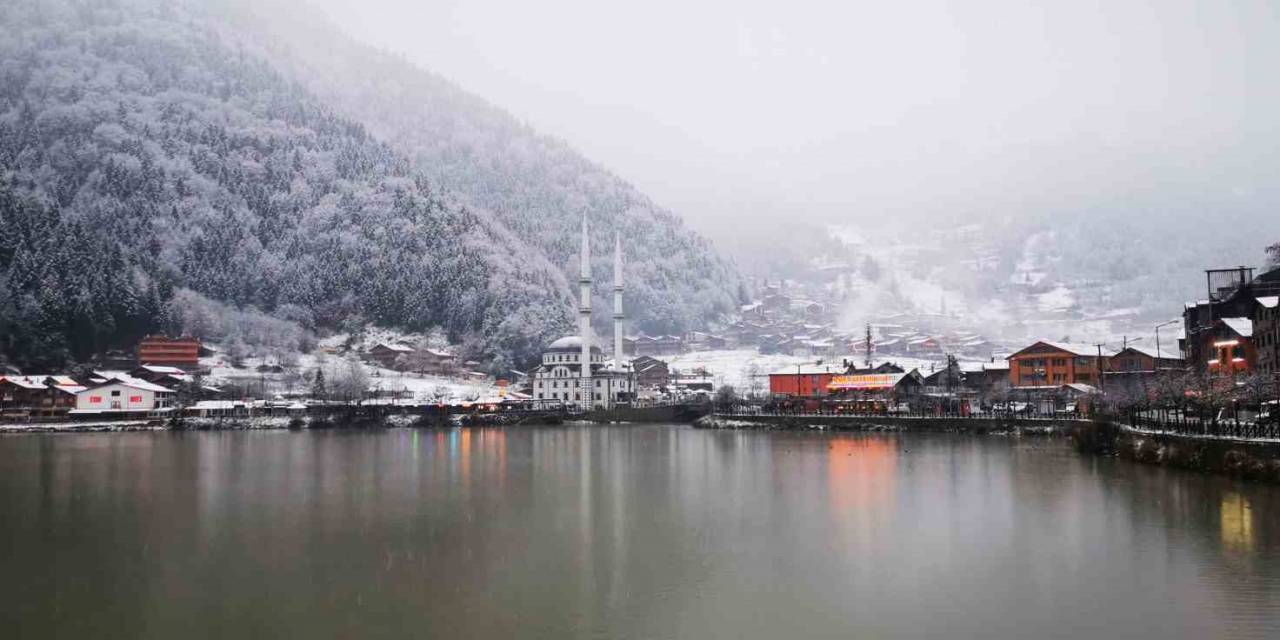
(1053,364)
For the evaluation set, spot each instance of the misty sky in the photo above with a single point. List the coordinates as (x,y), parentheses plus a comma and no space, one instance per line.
(854,110)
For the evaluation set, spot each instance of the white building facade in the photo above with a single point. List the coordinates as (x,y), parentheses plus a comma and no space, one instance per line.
(124,397)
(558,380)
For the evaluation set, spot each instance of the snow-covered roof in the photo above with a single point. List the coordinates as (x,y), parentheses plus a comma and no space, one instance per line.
(1242,326)
(70,388)
(26,382)
(1164,354)
(392,346)
(1269,302)
(1075,349)
(133,383)
(1081,387)
(155,368)
(218,404)
(566,343)
(809,369)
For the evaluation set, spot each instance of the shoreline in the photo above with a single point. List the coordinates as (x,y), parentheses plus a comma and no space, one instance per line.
(981,426)
(1256,461)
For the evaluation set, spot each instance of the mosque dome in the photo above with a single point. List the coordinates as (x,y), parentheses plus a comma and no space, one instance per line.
(572,344)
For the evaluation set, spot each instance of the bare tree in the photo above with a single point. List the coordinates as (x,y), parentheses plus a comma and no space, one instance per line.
(351,382)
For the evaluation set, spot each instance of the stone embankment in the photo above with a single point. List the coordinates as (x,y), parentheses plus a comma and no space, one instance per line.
(944,424)
(1256,460)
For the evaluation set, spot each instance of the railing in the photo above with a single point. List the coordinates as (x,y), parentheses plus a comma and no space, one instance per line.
(911,415)
(1205,428)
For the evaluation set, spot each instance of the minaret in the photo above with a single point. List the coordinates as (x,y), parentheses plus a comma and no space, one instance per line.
(584,319)
(618,316)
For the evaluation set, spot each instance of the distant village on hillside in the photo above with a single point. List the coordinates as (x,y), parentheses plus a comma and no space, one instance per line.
(783,351)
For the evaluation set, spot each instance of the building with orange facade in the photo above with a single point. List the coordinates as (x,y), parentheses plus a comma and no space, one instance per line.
(1054,364)
(181,352)
(804,381)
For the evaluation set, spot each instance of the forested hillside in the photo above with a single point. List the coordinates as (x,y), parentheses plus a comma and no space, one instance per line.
(536,185)
(142,154)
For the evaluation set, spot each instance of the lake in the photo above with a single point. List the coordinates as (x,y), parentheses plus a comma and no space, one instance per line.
(621,532)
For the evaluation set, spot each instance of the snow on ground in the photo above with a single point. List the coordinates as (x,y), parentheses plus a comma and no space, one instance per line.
(1060,299)
(422,386)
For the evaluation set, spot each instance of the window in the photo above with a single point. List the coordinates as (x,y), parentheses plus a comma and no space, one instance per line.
(115,394)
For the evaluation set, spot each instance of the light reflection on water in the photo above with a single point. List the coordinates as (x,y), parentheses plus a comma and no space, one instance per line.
(626,531)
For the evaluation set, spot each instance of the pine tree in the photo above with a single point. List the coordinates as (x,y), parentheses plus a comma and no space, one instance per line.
(318,390)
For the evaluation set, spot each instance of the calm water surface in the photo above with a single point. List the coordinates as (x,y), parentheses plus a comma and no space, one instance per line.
(636,532)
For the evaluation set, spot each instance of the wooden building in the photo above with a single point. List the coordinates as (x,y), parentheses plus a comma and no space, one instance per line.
(650,372)
(389,355)
(645,345)
(1144,360)
(874,392)
(181,352)
(25,397)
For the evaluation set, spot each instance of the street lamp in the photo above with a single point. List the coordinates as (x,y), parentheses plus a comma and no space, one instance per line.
(1162,324)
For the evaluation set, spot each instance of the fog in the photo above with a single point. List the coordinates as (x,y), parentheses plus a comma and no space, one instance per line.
(864,111)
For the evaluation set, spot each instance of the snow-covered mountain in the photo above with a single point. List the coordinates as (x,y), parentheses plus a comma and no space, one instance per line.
(148,146)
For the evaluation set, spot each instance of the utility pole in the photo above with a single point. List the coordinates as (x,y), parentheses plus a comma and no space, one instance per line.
(868,345)
(1102,378)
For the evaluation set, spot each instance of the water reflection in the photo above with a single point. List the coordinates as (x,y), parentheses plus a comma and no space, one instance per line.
(1237,523)
(622,531)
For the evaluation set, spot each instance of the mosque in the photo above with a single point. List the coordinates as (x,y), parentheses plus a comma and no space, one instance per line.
(574,372)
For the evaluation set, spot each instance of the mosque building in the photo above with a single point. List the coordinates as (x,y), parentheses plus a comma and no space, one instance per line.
(574,372)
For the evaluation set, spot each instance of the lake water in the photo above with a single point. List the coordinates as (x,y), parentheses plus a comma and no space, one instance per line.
(621,532)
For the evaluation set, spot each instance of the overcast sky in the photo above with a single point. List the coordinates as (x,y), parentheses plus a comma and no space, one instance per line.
(849,110)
